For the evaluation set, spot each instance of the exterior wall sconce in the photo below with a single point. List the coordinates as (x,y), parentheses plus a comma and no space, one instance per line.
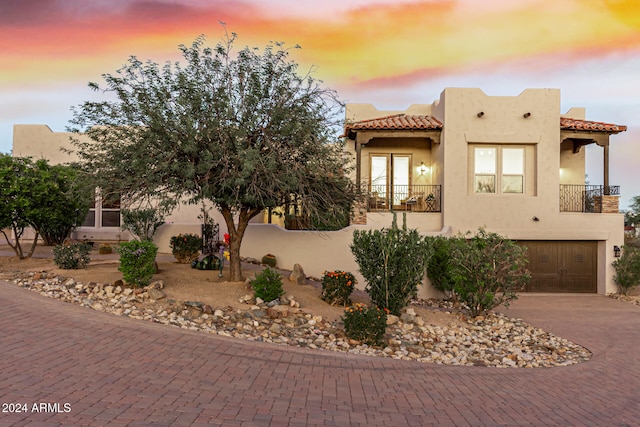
(526,115)
(481,113)
(422,168)
(616,251)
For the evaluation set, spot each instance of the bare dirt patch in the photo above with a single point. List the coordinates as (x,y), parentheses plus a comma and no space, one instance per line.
(183,283)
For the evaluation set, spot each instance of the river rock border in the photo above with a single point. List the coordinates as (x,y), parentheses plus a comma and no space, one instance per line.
(493,340)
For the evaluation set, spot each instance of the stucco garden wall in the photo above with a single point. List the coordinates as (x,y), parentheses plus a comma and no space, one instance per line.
(315,251)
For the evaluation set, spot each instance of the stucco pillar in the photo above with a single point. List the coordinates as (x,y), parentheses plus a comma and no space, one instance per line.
(606,167)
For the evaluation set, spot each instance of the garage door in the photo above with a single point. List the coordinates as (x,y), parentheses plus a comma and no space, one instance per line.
(562,266)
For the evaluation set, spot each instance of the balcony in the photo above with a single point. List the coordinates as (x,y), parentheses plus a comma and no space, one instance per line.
(409,198)
(589,198)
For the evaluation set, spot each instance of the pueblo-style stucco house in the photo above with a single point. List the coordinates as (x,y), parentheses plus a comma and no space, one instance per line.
(513,165)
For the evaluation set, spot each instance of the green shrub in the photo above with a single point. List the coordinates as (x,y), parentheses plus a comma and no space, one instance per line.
(365,324)
(142,223)
(186,242)
(185,247)
(393,262)
(627,269)
(137,261)
(267,285)
(337,287)
(439,267)
(72,256)
(487,270)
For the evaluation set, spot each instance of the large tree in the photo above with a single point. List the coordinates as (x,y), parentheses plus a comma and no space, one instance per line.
(244,131)
(632,215)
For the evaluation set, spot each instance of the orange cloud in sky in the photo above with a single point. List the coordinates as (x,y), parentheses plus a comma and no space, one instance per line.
(390,42)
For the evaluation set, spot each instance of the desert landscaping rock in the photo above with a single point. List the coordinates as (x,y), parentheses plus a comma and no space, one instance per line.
(155,294)
(297,275)
(492,340)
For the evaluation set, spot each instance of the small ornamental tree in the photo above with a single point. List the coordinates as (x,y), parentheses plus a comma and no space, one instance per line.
(393,262)
(242,130)
(488,270)
(53,200)
(627,269)
(142,222)
(62,199)
(15,182)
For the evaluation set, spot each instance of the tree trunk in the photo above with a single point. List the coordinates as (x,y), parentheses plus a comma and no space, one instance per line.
(236,234)
(17,248)
(33,245)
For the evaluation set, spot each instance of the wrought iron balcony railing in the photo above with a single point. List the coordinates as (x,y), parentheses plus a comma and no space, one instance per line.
(412,198)
(585,198)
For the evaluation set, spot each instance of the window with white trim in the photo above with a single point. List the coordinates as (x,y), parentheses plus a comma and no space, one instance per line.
(499,169)
(104,212)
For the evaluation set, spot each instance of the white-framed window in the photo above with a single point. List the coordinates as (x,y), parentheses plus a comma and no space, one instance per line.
(104,212)
(499,169)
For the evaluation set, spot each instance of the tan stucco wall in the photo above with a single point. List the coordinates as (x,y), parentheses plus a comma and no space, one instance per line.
(315,251)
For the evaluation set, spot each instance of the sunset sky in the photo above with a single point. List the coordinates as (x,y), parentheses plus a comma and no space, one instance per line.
(391,53)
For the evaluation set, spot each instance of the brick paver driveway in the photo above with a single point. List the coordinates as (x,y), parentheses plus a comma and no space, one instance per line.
(97,369)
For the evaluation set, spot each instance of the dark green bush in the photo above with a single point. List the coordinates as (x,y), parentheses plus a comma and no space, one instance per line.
(185,247)
(439,269)
(185,243)
(393,262)
(337,287)
(365,324)
(627,269)
(72,256)
(137,261)
(267,285)
(488,270)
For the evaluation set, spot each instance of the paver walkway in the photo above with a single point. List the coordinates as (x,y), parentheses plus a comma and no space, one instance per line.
(115,371)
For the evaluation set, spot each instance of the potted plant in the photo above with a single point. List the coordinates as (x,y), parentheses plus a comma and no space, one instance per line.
(186,247)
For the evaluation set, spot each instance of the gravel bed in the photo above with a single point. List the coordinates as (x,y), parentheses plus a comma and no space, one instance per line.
(493,340)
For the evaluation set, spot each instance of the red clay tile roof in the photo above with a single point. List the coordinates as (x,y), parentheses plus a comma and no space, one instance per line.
(417,122)
(578,124)
(397,122)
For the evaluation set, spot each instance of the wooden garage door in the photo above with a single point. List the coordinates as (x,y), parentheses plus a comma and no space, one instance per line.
(562,266)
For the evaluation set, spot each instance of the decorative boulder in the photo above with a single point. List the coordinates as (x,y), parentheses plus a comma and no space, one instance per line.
(297,275)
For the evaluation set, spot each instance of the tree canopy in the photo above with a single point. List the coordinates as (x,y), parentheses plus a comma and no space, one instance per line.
(51,199)
(244,131)
(632,215)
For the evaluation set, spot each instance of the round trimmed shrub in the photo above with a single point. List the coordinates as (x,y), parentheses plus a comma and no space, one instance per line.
(267,285)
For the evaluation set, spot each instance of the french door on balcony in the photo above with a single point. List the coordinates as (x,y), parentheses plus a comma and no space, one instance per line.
(391,177)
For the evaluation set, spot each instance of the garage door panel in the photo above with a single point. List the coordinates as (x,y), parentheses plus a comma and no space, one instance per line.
(562,266)
(542,283)
(543,258)
(577,284)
